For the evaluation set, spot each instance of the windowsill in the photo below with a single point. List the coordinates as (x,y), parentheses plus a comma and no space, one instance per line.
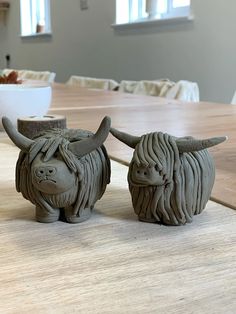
(153,22)
(37,35)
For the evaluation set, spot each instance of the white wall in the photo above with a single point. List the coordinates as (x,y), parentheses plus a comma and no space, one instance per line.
(84,43)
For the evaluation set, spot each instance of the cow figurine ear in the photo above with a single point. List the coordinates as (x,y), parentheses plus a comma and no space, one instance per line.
(186,145)
(126,138)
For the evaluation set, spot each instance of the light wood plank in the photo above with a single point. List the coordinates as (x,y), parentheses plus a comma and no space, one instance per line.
(113,263)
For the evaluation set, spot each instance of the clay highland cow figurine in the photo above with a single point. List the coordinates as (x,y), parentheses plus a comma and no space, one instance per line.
(63,171)
(170,179)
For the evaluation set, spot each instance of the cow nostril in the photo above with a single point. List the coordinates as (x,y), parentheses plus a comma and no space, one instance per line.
(145,173)
(50,171)
(39,172)
(138,171)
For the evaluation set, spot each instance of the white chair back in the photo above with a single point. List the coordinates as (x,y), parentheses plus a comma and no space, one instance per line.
(128,86)
(233,101)
(95,83)
(182,90)
(33,75)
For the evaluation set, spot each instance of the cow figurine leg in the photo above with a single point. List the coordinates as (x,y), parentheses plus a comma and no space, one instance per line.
(43,215)
(83,215)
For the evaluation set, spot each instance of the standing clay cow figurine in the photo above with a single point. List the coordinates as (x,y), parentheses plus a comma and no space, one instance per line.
(170,179)
(63,171)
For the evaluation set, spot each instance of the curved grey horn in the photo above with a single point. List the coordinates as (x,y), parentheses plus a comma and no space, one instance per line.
(191,145)
(17,138)
(86,146)
(126,138)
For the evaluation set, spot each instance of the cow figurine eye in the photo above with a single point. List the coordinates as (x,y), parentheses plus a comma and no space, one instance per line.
(157,169)
(168,193)
(160,172)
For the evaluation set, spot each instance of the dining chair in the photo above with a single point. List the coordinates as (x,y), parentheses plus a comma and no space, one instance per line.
(91,82)
(233,101)
(33,75)
(128,86)
(181,90)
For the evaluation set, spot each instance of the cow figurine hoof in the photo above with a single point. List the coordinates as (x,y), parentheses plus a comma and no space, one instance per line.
(170,179)
(63,172)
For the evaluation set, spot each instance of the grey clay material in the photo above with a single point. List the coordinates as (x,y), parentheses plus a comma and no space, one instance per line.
(62,171)
(170,179)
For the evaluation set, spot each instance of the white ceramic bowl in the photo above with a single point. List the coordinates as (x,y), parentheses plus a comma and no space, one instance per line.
(19,100)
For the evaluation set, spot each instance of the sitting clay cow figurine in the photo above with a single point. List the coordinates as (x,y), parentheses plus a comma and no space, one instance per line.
(170,179)
(63,171)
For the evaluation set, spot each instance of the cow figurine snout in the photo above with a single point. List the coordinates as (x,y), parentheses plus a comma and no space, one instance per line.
(143,175)
(45,172)
(53,176)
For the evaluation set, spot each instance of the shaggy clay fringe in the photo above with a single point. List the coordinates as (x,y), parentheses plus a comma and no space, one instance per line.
(188,177)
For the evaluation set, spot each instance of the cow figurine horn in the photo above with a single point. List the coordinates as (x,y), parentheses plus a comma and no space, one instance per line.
(186,145)
(126,138)
(79,148)
(17,138)
(85,146)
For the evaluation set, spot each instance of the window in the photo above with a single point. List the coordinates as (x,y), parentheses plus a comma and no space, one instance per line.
(35,17)
(135,11)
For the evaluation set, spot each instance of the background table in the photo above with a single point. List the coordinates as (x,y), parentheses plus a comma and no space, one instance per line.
(138,114)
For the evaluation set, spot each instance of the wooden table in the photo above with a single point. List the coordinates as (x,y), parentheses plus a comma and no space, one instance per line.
(138,114)
(113,263)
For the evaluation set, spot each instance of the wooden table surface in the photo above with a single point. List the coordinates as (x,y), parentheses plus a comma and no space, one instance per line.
(138,114)
(113,263)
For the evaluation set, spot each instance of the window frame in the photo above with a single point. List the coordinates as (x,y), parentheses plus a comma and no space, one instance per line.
(172,15)
(177,12)
(28,19)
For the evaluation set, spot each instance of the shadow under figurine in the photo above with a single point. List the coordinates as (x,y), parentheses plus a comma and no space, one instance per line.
(170,179)
(63,171)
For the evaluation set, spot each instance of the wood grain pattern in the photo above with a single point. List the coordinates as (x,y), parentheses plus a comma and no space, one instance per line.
(113,263)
